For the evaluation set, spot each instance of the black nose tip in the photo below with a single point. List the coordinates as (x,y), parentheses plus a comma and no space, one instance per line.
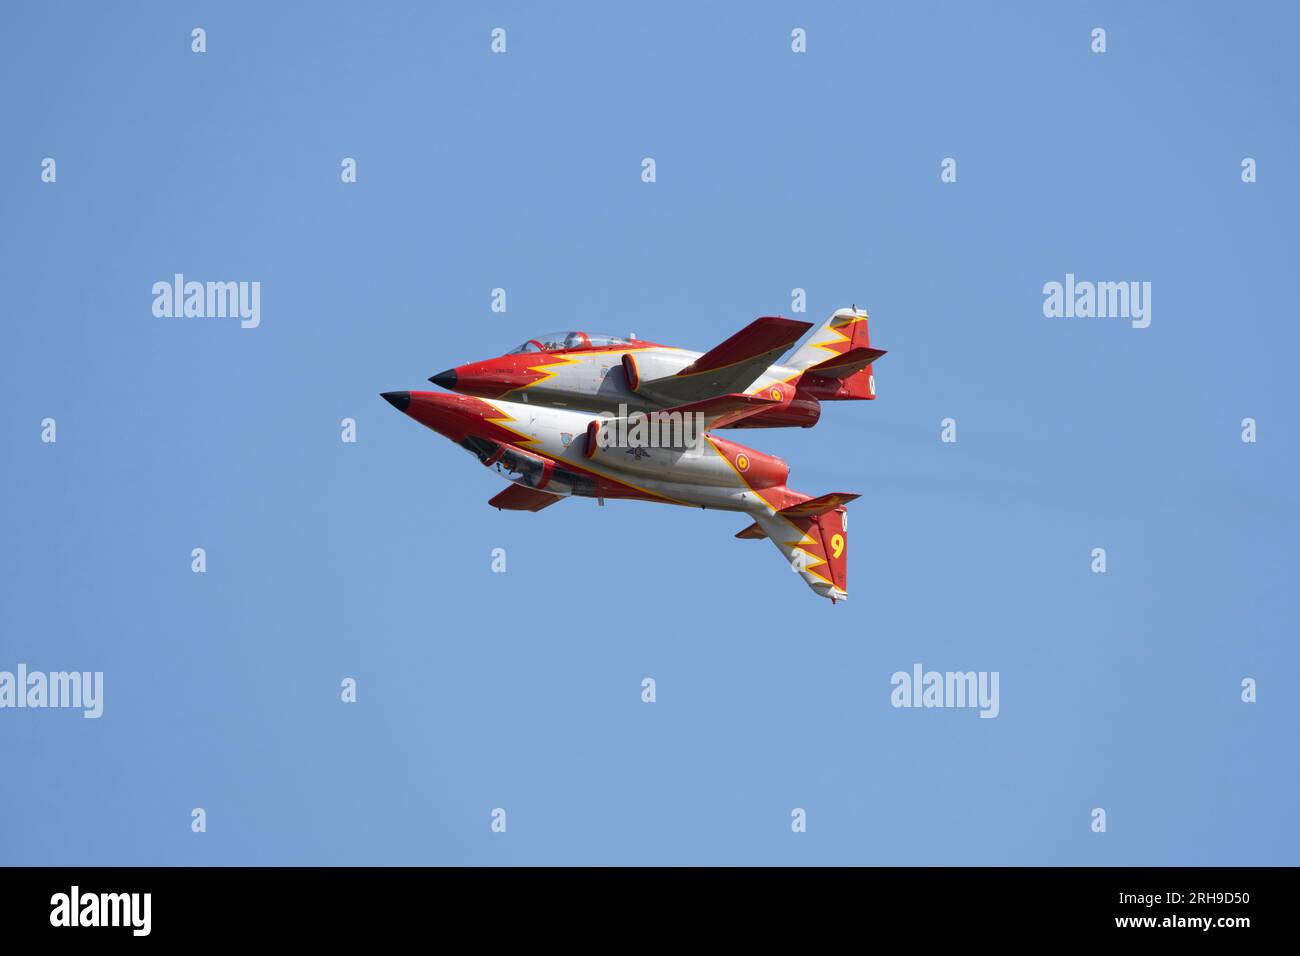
(399,400)
(446,379)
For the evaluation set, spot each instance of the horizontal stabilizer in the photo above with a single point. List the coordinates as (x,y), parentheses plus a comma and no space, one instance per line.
(818,506)
(753,532)
(838,366)
(519,498)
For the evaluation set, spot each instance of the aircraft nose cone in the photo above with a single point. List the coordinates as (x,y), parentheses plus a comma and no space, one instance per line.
(399,400)
(446,379)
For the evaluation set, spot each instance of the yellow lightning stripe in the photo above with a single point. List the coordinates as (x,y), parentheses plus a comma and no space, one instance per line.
(817,562)
(837,327)
(560,362)
(804,537)
(501,423)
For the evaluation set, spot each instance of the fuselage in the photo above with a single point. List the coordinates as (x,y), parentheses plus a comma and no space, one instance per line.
(546,448)
(596,379)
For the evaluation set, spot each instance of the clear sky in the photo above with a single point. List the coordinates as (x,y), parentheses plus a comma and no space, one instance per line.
(522,690)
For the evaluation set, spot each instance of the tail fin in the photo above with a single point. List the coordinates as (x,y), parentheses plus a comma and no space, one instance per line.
(846,329)
(816,545)
(837,361)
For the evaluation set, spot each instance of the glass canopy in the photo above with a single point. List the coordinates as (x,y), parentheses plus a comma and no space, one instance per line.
(567,341)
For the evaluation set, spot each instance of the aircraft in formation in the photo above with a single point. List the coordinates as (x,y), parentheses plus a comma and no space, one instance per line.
(528,415)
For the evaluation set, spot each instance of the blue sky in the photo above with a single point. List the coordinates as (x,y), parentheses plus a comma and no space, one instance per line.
(522,690)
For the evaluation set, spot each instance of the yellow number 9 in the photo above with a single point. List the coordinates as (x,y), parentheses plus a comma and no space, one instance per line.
(837,544)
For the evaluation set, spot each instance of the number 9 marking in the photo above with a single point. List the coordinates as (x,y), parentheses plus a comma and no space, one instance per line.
(837,544)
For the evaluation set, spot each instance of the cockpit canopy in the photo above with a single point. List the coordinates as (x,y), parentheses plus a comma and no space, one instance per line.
(568,341)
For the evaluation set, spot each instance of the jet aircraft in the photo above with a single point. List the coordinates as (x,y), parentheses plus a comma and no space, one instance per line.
(550,453)
(593,372)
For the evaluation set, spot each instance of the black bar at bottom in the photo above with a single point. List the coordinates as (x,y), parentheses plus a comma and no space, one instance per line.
(207,905)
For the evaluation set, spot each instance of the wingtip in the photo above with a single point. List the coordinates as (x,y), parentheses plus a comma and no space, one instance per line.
(780,321)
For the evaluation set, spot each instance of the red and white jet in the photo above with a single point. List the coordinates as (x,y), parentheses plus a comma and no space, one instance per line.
(593,372)
(552,453)
(528,415)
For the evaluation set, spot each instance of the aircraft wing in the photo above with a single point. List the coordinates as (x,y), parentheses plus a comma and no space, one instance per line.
(519,498)
(724,409)
(714,413)
(732,366)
